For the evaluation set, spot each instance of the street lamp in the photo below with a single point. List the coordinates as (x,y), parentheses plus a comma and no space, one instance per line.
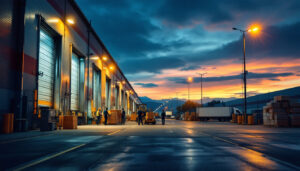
(251,30)
(201,76)
(189,80)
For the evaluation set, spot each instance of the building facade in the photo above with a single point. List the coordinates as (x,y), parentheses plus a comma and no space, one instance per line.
(52,58)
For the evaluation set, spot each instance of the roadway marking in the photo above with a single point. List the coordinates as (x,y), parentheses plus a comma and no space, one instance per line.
(43,159)
(22,139)
(250,149)
(114,132)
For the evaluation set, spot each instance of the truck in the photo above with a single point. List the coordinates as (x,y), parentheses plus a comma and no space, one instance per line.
(168,114)
(219,113)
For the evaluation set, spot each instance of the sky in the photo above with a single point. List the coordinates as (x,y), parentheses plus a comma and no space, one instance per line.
(158,44)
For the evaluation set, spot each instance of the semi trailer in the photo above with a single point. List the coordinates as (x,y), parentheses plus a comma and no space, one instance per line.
(219,113)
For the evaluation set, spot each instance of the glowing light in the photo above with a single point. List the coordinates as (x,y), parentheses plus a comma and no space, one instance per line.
(104,58)
(53,20)
(190,79)
(111,68)
(70,21)
(94,57)
(123,82)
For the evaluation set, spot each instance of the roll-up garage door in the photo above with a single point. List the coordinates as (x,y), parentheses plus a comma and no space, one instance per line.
(107,92)
(46,68)
(75,82)
(97,89)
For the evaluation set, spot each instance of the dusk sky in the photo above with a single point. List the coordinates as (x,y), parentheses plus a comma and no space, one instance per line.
(159,43)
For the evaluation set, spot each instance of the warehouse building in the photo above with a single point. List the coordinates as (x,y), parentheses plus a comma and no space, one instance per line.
(257,102)
(51,57)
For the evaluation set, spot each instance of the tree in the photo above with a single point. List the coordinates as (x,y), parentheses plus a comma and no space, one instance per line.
(188,106)
(215,102)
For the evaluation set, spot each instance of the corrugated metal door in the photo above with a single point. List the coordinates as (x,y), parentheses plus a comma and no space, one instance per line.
(75,82)
(46,67)
(96,89)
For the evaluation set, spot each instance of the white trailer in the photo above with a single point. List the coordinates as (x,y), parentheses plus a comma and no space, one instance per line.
(220,113)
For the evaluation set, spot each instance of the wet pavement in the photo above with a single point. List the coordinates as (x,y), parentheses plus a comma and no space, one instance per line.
(179,145)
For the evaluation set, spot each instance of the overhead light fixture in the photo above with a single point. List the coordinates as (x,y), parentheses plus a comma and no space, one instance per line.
(70,21)
(53,20)
(104,58)
(94,57)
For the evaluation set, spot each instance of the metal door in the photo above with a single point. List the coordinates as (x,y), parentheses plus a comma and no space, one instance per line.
(46,68)
(75,82)
(97,88)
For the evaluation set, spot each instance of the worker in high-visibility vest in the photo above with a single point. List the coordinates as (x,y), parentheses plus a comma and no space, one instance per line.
(99,115)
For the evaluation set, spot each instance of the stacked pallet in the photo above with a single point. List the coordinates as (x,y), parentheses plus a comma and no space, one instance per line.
(192,116)
(8,123)
(186,116)
(133,117)
(281,112)
(234,118)
(114,117)
(70,122)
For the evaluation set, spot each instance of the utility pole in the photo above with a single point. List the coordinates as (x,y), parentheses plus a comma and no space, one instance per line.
(201,80)
(245,79)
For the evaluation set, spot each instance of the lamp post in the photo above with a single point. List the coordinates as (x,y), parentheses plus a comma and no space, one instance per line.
(189,80)
(255,29)
(201,79)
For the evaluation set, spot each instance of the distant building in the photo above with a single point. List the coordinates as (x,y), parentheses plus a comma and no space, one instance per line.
(259,101)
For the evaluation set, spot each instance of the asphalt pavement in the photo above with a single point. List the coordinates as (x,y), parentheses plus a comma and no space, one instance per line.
(178,145)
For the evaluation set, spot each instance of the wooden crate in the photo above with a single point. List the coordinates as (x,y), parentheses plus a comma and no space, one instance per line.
(281,120)
(295,120)
(114,117)
(133,117)
(281,98)
(250,120)
(70,122)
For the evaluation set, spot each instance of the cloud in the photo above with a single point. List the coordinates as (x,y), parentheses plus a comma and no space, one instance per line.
(193,12)
(146,85)
(152,65)
(274,42)
(250,75)
(124,31)
(190,67)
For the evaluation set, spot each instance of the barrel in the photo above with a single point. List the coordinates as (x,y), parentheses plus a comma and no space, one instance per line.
(8,123)
(250,120)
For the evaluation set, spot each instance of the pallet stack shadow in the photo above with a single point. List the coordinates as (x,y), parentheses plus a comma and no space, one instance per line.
(282,112)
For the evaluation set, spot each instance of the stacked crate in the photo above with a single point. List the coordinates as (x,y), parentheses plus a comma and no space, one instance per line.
(70,122)
(234,118)
(192,116)
(187,116)
(294,115)
(114,117)
(281,112)
(133,117)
